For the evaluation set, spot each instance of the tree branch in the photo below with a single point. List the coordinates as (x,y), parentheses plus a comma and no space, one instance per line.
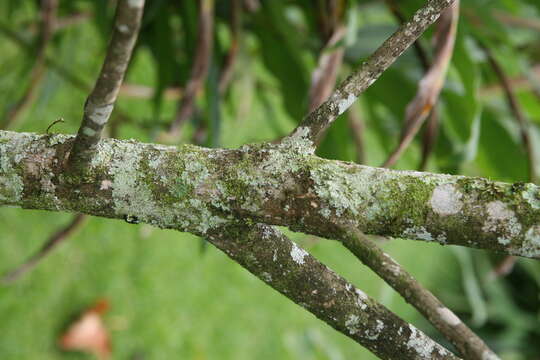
(289,269)
(52,242)
(431,84)
(314,125)
(192,188)
(100,102)
(464,339)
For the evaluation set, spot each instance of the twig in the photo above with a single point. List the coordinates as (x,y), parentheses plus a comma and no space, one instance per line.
(314,125)
(519,82)
(356,124)
(518,113)
(201,64)
(232,55)
(100,102)
(430,137)
(48,20)
(252,5)
(324,76)
(517,21)
(443,319)
(59,120)
(431,84)
(147,92)
(56,239)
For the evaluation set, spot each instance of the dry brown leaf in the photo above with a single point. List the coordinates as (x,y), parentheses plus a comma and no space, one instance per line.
(431,84)
(88,333)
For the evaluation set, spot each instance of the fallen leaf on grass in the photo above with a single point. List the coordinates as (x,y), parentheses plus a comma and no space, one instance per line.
(88,333)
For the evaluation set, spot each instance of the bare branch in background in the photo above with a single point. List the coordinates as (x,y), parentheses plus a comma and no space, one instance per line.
(504,267)
(430,137)
(432,127)
(431,84)
(517,21)
(199,70)
(100,103)
(252,5)
(324,76)
(314,125)
(232,55)
(47,26)
(356,124)
(443,319)
(147,92)
(517,83)
(56,239)
(518,113)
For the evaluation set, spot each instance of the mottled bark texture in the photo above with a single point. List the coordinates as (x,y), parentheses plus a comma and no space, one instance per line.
(100,102)
(469,345)
(196,189)
(289,269)
(349,90)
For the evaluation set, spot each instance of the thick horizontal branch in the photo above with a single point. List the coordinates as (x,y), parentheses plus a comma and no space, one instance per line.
(196,189)
(289,269)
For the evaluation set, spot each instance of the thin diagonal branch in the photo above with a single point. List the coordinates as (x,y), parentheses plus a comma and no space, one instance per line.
(314,125)
(100,102)
(507,264)
(232,55)
(47,26)
(324,76)
(357,127)
(431,84)
(443,319)
(518,113)
(292,271)
(52,242)
(201,64)
(430,137)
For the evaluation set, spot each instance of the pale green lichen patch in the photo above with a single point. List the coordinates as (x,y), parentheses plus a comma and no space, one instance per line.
(531,244)
(352,323)
(422,345)
(11,183)
(531,194)
(418,232)
(501,220)
(373,333)
(299,141)
(446,200)
(298,254)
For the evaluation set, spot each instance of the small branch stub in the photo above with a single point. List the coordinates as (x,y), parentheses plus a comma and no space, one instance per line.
(100,103)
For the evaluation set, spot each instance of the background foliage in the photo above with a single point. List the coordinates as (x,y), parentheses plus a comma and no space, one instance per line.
(173,297)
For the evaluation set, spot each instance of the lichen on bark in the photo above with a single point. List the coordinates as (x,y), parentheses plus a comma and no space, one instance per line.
(196,189)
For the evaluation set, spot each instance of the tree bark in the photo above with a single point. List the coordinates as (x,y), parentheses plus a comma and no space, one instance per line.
(196,190)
